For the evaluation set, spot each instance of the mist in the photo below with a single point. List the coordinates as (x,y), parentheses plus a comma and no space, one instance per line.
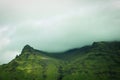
(56,25)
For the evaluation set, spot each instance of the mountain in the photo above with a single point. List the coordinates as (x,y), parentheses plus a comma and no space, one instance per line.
(99,61)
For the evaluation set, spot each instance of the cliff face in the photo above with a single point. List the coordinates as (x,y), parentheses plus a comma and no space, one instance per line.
(100,61)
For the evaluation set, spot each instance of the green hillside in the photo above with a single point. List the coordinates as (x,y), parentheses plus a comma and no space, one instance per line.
(100,61)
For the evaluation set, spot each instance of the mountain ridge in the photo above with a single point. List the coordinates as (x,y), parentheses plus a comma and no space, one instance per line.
(99,61)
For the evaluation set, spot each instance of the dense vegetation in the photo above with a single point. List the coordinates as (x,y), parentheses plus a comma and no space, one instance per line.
(100,61)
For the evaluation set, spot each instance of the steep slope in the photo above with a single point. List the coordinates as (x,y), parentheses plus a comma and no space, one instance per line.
(100,61)
(30,65)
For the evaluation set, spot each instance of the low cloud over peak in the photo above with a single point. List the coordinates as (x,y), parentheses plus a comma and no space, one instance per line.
(56,26)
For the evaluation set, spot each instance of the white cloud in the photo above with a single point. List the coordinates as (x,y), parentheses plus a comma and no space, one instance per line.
(116,4)
(4,40)
(8,56)
(5,53)
(56,25)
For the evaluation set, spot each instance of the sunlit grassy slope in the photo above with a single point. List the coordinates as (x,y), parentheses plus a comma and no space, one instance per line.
(100,61)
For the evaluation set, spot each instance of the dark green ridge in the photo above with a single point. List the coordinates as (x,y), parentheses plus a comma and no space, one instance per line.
(100,61)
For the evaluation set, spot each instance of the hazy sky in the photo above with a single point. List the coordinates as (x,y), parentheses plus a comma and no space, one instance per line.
(56,25)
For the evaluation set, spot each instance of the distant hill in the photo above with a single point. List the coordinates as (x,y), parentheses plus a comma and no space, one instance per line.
(99,61)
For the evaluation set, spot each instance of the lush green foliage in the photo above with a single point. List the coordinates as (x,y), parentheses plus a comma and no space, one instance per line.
(101,61)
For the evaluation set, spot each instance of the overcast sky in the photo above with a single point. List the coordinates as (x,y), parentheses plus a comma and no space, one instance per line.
(56,25)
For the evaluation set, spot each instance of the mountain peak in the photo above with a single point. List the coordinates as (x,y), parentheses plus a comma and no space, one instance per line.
(27,48)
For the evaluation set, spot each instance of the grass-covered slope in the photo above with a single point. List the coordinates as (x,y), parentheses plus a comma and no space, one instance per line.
(100,61)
